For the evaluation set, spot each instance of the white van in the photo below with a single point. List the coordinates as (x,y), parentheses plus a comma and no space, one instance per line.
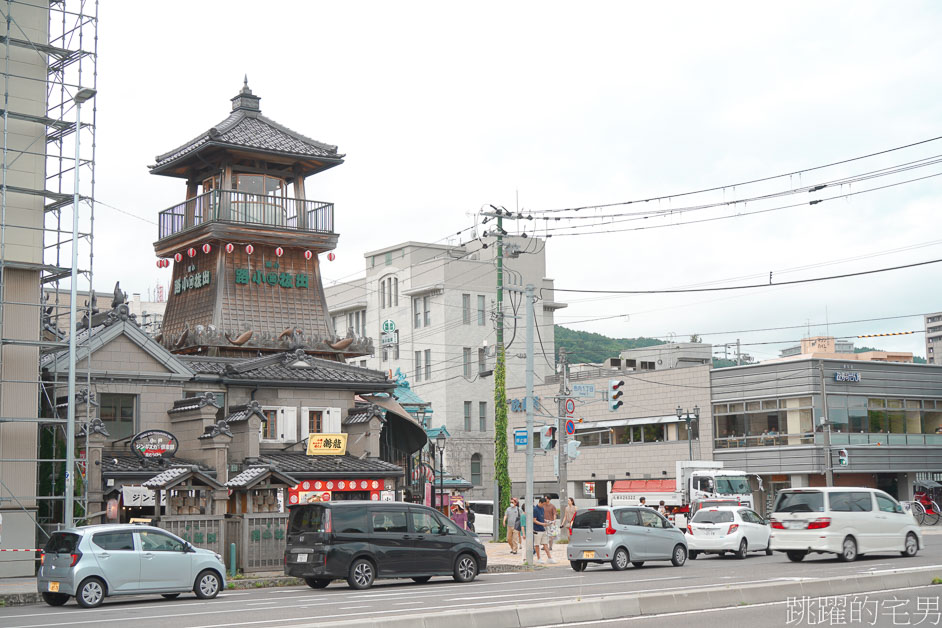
(848,522)
(483,516)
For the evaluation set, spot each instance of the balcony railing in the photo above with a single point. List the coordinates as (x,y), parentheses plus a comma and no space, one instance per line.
(244,208)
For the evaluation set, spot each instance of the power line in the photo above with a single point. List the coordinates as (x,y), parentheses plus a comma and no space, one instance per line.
(748,286)
(742,183)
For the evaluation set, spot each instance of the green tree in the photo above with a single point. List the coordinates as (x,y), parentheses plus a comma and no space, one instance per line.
(500,445)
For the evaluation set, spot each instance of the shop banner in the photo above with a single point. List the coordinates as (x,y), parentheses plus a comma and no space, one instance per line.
(327,444)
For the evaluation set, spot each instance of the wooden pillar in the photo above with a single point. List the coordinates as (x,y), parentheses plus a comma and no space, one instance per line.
(190,213)
(299,202)
(225,196)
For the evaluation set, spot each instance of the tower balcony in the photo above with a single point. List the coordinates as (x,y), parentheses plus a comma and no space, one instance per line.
(242,216)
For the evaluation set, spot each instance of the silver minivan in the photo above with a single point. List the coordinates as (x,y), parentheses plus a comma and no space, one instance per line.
(94,562)
(623,535)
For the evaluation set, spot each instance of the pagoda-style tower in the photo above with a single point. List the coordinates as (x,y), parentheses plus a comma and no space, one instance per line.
(245,243)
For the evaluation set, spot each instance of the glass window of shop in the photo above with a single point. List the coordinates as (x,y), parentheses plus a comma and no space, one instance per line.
(764,422)
(859,415)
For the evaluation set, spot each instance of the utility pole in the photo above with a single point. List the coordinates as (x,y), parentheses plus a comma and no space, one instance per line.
(529,503)
(561,437)
(738,354)
(826,423)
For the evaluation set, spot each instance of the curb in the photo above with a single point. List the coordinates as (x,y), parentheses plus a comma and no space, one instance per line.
(625,606)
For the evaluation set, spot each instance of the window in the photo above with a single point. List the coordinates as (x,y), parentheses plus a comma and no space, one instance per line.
(850,501)
(427,304)
(395,352)
(482,415)
(315,421)
(417,313)
(590,519)
(627,517)
(395,291)
(418,366)
(348,520)
(476,470)
(467,416)
(887,504)
(159,542)
(425,522)
(799,501)
(382,294)
(117,412)
(481,316)
(114,540)
(650,519)
(385,354)
(448,524)
(466,309)
(388,258)
(428,364)
(713,516)
(482,360)
(390,521)
(270,425)
(467,361)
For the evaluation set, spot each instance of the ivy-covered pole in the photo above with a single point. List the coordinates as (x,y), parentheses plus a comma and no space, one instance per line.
(500,446)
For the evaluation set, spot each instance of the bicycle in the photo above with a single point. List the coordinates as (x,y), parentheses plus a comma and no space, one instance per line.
(929,507)
(918,511)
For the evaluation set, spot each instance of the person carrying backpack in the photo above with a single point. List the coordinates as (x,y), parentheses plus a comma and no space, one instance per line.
(470,519)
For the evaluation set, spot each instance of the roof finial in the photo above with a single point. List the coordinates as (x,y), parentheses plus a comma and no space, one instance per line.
(245,83)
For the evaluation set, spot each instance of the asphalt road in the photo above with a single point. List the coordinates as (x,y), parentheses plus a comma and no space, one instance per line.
(295,605)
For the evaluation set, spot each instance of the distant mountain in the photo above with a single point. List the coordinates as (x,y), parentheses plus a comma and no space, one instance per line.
(586,346)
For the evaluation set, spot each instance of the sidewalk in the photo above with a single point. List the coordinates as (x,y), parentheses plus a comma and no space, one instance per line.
(499,556)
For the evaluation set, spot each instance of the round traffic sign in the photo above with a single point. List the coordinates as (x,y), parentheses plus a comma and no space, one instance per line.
(570,427)
(389,326)
(570,406)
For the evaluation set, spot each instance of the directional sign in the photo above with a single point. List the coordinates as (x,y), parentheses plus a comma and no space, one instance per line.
(387,339)
(520,439)
(583,391)
(570,406)
(570,427)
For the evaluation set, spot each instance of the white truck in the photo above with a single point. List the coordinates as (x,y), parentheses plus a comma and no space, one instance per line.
(695,481)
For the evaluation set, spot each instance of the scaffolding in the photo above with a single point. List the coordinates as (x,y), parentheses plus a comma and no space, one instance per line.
(50,51)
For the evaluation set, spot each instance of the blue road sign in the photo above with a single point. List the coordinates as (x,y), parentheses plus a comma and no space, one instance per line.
(570,427)
(520,438)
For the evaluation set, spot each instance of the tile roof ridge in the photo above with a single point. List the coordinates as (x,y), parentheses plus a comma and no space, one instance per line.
(299,136)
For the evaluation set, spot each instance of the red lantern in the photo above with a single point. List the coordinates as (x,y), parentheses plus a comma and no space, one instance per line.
(230,247)
(178,257)
(249,249)
(308,255)
(160,263)
(279,251)
(207,248)
(191,252)
(331,257)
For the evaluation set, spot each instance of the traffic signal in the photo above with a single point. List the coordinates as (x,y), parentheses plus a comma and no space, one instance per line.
(614,394)
(842,458)
(548,437)
(572,449)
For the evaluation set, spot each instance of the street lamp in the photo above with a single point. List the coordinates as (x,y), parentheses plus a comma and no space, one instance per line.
(80,97)
(685,415)
(440,444)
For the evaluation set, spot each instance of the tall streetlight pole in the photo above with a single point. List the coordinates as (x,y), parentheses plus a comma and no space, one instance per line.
(685,415)
(80,97)
(440,443)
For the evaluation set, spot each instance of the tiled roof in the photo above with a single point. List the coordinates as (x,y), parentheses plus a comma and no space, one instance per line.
(359,417)
(238,414)
(193,403)
(279,368)
(254,474)
(303,466)
(165,477)
(253,130)
(81,337)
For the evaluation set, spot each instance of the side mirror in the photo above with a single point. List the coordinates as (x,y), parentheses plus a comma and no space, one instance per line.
(188,548)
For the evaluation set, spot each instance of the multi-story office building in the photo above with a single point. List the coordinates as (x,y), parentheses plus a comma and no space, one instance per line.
(436,306)
(933,336)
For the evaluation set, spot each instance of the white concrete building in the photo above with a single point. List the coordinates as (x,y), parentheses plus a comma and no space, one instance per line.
(441,299)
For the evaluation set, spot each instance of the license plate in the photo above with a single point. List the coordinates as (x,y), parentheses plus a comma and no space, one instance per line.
(709,532)
(795,525)
(54,587)
(301,558)
(588,554)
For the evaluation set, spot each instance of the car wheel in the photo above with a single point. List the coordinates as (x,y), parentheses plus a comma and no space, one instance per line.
(422,579)
(466,568)
(361,574)
(911,547)
(796,556)
(743,550)
(91,593)
(620,559)
(768,551)
(578,565)
(317,583)
(170,596)
(638,563)
(692,555)
(207,585)
(55,599)
(848,550)
(679,557)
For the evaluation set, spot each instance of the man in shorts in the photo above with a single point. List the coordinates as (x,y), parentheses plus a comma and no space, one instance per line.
(552,527)
(539,532)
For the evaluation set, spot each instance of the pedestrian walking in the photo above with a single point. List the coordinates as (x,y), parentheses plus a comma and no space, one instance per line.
(642,500)
(539,532)
(570,513)
(470,514)
(523,523)
(459,517)
(512,522)
(552,526)
(661,508)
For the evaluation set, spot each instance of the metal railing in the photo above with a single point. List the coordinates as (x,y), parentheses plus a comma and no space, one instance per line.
(244,208)
(837,438)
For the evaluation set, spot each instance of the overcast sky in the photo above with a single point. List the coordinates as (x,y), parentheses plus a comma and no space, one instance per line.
(442,108)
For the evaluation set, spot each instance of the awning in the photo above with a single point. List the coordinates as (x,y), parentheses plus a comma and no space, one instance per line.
(399,417)
(648,420)
(928,483)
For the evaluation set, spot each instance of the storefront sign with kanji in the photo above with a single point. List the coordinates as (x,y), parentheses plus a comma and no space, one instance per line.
(327,444)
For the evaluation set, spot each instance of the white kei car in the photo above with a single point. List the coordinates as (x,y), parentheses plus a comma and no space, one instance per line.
(723,529)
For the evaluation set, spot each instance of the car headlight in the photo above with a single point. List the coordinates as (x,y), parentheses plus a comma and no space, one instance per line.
(218,556)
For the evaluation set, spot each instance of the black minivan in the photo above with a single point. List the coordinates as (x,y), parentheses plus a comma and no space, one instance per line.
(365,540)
